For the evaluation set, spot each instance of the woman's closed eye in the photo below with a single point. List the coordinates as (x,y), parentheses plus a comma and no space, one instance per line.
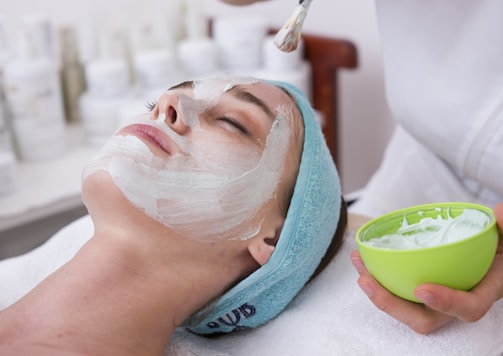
(233,125)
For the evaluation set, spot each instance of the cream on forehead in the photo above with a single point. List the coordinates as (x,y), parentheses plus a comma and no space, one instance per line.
(211,89)
(211,191)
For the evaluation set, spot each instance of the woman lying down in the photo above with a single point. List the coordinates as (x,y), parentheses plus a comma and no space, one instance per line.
(223,200)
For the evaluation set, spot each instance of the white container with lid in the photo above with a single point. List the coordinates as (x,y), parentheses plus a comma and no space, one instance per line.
(108,85)
(99,117)
(107,77)
(155,68)
(239,41)
(107,88)
(198,57)
(34,102)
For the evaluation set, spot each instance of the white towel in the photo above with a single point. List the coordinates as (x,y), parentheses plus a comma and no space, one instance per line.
(331,316)
(18,275)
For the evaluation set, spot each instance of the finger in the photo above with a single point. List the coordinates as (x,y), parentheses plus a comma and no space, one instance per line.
(498,213)
(416,316)
(357,262)
(460,304)
(473,305)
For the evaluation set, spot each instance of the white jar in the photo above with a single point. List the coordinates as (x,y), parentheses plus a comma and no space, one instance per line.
(99,116)
(107,77)
(108,87)
(239,41)
(155,68)
(34,102)
(198,57)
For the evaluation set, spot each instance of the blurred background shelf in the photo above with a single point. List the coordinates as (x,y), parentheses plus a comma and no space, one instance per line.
(48,197)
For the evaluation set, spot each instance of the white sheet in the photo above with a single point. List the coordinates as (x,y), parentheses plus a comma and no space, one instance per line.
(330,317)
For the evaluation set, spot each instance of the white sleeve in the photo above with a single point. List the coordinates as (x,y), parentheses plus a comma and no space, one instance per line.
(411,174)
(444,82)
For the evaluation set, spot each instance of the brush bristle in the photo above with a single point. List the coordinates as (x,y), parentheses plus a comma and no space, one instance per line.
(287,39)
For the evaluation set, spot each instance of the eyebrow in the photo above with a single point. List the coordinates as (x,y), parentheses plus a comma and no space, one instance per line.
(183,85)
(242,95)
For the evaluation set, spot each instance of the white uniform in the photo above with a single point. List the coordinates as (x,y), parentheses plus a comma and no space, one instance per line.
(443,62)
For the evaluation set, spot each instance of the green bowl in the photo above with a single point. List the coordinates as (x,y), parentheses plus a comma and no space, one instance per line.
(459,265)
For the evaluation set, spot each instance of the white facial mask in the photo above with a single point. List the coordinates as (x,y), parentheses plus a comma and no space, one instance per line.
(215,188)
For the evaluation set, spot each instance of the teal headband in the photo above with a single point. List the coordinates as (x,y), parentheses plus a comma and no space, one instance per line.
(309,227)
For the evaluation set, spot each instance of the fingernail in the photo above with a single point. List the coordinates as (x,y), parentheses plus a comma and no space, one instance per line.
(366,289)
(358,264)
(425,296)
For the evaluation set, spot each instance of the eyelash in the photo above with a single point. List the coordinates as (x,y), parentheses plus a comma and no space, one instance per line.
(150,105)
(236,124)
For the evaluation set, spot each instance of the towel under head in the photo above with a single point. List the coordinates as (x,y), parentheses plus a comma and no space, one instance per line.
(309,227)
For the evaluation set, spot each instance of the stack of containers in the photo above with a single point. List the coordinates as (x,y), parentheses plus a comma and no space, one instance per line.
(155,65)
(108,83)
(31,105)
(197,53)
(239,43)
(33,94)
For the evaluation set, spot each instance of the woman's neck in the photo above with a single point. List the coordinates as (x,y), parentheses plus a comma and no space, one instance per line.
(124,292)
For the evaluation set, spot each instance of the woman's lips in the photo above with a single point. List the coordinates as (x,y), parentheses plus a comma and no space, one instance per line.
(152,135)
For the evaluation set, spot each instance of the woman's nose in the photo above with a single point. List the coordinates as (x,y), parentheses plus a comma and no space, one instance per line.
(168,105)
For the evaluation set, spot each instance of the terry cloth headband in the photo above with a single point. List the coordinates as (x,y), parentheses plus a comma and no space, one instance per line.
(310,224)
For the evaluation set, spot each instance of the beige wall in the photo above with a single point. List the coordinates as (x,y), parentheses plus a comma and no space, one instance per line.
(366,122)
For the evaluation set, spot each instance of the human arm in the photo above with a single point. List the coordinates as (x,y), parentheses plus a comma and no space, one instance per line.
(441,304)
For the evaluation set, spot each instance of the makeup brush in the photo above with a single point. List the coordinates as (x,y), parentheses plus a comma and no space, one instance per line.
(287,39)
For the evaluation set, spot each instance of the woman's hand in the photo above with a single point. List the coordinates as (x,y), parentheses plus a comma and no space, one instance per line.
(441,304)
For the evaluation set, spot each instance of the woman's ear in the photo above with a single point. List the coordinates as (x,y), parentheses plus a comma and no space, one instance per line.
(263,245)
(261,249)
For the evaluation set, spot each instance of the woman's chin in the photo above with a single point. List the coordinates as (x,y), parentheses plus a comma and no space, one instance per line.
(99,189)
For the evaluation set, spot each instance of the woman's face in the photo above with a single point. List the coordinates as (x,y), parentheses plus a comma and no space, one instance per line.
(208,159)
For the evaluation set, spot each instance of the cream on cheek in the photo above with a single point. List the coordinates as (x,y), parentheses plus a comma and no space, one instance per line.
(214,190)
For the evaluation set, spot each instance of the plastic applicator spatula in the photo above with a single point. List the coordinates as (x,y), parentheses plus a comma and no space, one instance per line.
(288,37)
